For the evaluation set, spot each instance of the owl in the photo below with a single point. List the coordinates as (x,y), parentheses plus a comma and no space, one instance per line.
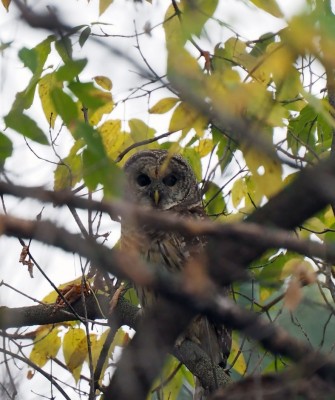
(157,180)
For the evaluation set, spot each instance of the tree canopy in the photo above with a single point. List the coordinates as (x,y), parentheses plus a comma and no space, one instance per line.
(253,115)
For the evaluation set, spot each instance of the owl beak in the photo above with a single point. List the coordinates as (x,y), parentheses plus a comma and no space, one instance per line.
(156,197)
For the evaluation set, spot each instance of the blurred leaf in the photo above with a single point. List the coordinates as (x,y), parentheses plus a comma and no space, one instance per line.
(89,95)
(185,117)
(75,350)
(140,131)
(64,49)
(45,86)
(26,126)
(64,105)
(266,171)
(85,34)
(193,158)
(164,105)
(104,82)
(46,345)
(36,57)
(269,6)
(70,171)
(70,70)
(239,364)
(6,4)
(196,14)
(215,203)
(6,148)
(239,192)
(103,5)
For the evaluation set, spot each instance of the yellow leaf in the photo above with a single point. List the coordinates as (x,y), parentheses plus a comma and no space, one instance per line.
(238,192)
(270,6)
(239,364)
(266,171)
(205,147)
(139,130)
(103,5)
(46,84)
(6,3)
(95,117)
(103,82)
(75,350)
(183,117)
(265,293)
(69,172)
(46,345)
(164,105)
(114,139)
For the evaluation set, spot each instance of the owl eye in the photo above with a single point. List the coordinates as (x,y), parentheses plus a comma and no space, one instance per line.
(143,180)
(170,180)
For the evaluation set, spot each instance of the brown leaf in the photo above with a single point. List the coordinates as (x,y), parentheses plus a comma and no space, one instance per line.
(293,294)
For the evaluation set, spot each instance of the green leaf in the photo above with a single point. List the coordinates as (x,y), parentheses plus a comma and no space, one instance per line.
(196,14)
(64,49)
(215,203)
(85,34)
(139,130)
(64,105)
(70,70)
(89,95)
(35,58)
(6,148)
(26,126)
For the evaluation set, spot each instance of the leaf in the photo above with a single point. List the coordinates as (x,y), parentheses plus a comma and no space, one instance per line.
(96,116)
(26,126)
(64,105)
(70,171)
(35,58)
(104,82)
(89,95)
(239,365)
(103,5)
(64,48)
(193,158)
(215,203)
(140,131)
(238,192)
(46,345)
(6,4)
(75,350)
(85,34)
(205,147)
(183,117)
(45,86)
(70,70)
(266,171)
(270,6)
(114,139)
(164,105)
(196,14)
(6,148)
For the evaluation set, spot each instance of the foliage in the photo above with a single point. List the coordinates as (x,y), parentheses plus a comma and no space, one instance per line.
(280,86)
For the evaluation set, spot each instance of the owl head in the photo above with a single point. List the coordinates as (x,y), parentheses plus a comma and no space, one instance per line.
(157,179)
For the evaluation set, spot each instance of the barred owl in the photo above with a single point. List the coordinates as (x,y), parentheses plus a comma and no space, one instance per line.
(157,180)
